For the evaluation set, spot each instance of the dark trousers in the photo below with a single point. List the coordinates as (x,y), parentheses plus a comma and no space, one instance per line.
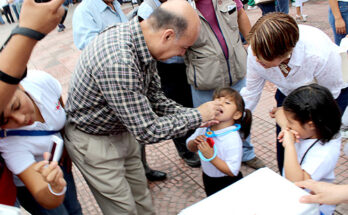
(215,184)
(267,7)
(174,85)
(65,13)
(342,101)
(70,205)
(8,14)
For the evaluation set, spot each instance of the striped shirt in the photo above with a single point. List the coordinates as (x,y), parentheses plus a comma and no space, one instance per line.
(116,88)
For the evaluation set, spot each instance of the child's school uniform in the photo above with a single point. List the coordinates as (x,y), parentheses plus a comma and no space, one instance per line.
(20,152)
(319,162)
(229,149)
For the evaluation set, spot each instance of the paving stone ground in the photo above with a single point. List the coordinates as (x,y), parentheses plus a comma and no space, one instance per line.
(57,55)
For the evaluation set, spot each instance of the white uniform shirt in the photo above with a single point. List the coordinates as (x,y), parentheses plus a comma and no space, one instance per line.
(320,162)
(21,152)
(229,149)
(314,58)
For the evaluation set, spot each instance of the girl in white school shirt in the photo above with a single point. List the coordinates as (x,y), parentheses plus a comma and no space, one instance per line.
(37,106)
(221,163)
(310,122)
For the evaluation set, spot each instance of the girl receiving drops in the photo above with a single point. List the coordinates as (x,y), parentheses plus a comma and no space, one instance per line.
(220,146)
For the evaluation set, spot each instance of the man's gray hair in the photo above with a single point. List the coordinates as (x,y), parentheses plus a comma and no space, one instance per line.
(164,19)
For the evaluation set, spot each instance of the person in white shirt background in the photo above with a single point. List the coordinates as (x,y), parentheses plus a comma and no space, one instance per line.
(310,120)
(289,56)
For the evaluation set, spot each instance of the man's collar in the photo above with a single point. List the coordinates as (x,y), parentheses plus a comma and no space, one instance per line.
(141,48)
(100,5)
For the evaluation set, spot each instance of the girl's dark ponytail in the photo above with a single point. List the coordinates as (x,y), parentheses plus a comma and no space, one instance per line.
(246,121)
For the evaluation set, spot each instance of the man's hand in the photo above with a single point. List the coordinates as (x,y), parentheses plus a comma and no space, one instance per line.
(324,193)
(41,17)
(209,123)
(209,110)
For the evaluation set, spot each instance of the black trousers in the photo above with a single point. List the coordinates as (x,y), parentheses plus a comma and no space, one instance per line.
(215,184)
(8,14)
(174,85)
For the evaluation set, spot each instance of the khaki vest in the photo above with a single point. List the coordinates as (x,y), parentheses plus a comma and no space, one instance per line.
(207,66)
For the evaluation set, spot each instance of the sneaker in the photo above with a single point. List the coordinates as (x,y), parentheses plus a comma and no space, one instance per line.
(255,163)
(252,7)
(190,159)
(301,18)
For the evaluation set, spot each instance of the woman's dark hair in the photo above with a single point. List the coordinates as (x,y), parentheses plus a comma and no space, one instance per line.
(246,119)
(315,103)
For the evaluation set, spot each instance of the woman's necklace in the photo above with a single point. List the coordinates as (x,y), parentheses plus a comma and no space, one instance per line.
(284,68)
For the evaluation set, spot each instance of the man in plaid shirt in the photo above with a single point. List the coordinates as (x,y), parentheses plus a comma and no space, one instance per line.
(115,101)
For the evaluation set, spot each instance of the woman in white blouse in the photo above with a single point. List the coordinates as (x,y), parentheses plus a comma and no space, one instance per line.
(290,56)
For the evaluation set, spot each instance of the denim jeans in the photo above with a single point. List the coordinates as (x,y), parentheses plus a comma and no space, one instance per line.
(201,96)
(70,206)
(282,6)
(1,20)
(343,7)
(267,7)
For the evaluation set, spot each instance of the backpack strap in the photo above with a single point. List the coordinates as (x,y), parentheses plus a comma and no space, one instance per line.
(5,133)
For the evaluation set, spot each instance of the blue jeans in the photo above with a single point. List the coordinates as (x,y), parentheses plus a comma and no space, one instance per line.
(343,7)
(282,6)
(1,20)
(267,7)
(202,96)
(70,206)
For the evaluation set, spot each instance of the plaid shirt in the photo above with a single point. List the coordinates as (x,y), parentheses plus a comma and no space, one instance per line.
(116,88)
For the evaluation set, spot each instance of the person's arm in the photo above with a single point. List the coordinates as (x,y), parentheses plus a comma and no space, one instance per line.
(292,169)
(340,25)
(251,93)
(208,152)
(243,22)
(324,193)
(37,178)
(150,117)
(280,117)
(41,17)
(192,144)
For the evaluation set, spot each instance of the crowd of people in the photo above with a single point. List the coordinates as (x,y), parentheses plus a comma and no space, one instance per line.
(171,69)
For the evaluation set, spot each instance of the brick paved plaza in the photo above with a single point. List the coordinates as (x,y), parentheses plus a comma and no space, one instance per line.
(57,55)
